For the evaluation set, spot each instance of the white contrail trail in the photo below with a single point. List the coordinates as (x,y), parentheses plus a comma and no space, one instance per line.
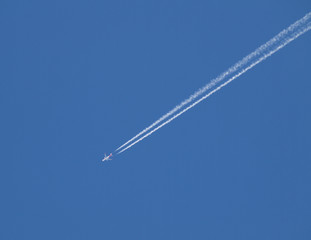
(231,70)
(275,44)
(221,77)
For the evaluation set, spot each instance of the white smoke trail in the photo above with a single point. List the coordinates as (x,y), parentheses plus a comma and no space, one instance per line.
(280,41)
(231,70)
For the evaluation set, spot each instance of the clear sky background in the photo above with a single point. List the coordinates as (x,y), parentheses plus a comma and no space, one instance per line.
(79,78)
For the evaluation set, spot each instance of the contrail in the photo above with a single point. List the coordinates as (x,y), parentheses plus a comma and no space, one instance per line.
(212,83)
(272,46)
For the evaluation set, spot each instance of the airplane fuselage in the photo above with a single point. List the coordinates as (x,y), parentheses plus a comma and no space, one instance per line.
(106,158)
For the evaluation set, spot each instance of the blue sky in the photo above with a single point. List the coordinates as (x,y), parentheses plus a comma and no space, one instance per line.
(79,78)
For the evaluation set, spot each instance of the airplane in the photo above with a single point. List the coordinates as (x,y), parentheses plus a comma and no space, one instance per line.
(106,158)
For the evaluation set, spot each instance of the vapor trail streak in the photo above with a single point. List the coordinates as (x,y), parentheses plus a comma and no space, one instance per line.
(272,46)
(212,83)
